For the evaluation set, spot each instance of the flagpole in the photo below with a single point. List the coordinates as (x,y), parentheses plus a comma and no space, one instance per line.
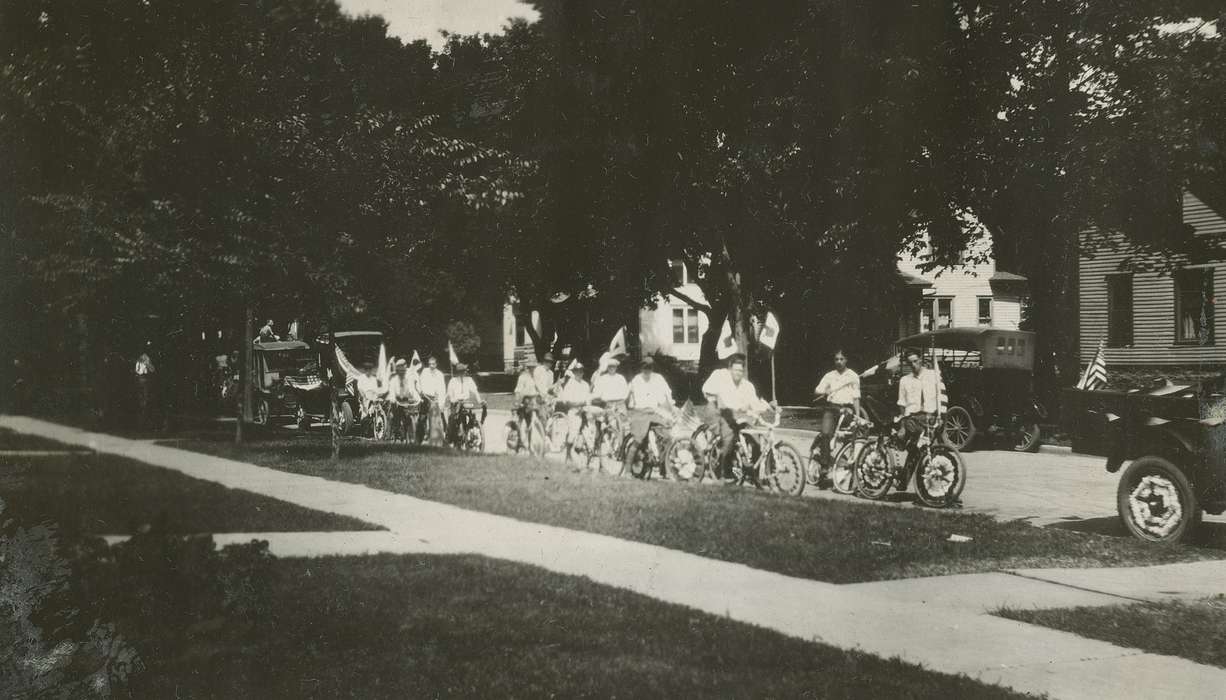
(774,391)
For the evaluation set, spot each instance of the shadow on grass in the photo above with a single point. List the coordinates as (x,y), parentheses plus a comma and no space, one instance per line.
(1211,534)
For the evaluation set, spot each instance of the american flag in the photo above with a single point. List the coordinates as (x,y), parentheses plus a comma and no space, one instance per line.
(1095,376)
(942,395)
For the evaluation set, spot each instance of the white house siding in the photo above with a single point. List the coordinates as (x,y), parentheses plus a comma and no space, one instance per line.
(966,284)
(656,326)
(1153,323)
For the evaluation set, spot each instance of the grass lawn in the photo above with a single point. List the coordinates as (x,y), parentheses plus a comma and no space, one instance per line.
(1193,630)
(813,538)
(105,495)
(419,626)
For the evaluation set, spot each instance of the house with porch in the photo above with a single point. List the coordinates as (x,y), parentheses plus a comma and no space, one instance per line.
(1154,316)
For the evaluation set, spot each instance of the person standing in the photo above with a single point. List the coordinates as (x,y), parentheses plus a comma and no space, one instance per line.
(840,388)
(144,372)
(433,394)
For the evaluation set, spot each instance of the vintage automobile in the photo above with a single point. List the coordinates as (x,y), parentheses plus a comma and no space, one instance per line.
(361,350)
(286,381)
(989,378)
(1174,440)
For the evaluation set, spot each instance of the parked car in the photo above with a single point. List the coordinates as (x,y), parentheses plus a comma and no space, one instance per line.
(989,378)
(286,381)
(361,349)
(1175,437)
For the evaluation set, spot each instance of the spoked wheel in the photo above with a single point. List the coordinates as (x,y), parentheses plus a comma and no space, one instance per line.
(606,450)
(959,429)
(555,431)
(624,453)
(940,477)
(814,473)
(706,452)
(379,424)
(1156,502)
(512,437)
(474,438)
(682,460)
(261,414)
(344,418)
(786,469)
(843,469)
(1029,437)
(636,460)
(874,472)
(585,443)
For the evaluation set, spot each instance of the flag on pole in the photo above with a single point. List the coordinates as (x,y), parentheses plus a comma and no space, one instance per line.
(1095,376)
(381,369)
(415,363)
(451,356)
(617,346)
(942,394)
(770,331)
(726,347)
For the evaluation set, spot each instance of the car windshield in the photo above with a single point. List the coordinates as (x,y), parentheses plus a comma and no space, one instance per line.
(361,350)
(290,361)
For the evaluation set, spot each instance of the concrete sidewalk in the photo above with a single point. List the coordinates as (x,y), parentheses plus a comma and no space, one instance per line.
(941,638)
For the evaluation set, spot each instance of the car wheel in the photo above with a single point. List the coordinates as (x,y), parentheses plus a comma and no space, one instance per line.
(959,429)
(1029,437)
(346,418)
(1156,502)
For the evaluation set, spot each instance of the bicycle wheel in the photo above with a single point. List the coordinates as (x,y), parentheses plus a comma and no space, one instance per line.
(706,452)
(512,437)
(843,468)
(940,477)
(682,461)
(814,473)
(636,461)
(555,432)
(874,471)
(606,449)
(786,469)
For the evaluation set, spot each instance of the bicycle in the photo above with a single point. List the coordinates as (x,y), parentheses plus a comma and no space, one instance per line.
(650,456)
(466,432)
(938,470)
(533,433)
(758,456)
(843,431)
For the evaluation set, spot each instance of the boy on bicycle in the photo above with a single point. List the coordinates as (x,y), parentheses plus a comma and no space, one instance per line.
(650,402)
(840,389)
(732,395)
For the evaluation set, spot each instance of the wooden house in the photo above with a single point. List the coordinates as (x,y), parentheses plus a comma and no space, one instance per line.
(1153,314)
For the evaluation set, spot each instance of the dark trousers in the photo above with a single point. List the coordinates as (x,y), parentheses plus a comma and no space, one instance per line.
(144,400)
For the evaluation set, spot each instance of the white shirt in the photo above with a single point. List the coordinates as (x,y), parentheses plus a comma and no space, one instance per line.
(840,388)
(461,389)
(367,384)
(610,387)
(432,384)
(918,394)
(576,391)
(645,394)
(543,377)
(144,366)
(730,395)
(404,388)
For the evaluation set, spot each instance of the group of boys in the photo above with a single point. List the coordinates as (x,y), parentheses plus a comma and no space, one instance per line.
(436,400)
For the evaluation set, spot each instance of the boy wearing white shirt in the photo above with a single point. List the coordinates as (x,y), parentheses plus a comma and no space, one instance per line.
(732,396)
(840,388)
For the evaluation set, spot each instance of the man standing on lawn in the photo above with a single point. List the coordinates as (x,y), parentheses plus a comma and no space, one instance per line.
(840,388)
(732,396)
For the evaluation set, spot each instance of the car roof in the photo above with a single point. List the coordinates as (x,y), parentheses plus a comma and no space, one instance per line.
(280,345)
(967,338)
(350,334)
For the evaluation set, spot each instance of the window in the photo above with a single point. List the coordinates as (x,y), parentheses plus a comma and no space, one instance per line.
(685,326)
(985,311)
(680,276)
(1119,310)
(1194,306)
(937,313)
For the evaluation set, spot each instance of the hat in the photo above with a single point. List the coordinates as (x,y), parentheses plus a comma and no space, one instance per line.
(576,365)
(461,367)
(401,365)
(613,362)
(548,357)
(648,362)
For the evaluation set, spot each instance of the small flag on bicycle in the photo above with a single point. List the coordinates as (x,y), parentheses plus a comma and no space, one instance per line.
(1095,376)
(382,371)
(415,363)
(770,331)
(451,355)
(942,395)
(726,347)
(618,345)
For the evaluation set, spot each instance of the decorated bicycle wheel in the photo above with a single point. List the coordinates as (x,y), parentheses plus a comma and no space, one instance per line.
(512,437)
(706,452)
(787,469)
(940,477)
(555,432)
(682,461)
(874,472)
(843,469)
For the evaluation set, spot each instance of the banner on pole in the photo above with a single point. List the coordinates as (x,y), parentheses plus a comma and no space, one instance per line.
(770,331)
(451,356)
(617,346)
(726,347)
